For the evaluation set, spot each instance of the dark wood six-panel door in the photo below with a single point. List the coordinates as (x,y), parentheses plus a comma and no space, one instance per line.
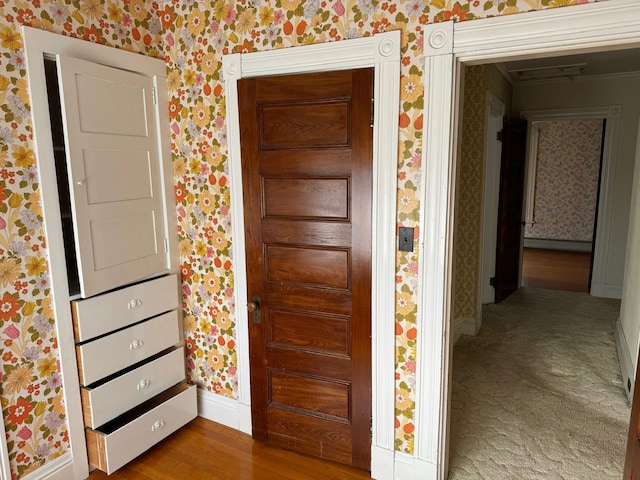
(307,183)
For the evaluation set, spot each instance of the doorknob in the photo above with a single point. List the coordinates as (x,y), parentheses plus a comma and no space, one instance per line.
(254,307)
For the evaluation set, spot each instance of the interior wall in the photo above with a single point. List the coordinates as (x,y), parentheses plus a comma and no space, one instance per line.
(566,180)
(478,80)
(469,205)
(594,92)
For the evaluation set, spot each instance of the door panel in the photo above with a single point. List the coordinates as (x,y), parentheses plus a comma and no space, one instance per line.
(306,161)
(118,220)
(510,213)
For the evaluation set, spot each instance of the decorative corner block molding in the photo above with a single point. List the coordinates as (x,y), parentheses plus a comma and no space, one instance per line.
(232,66)
(438,38)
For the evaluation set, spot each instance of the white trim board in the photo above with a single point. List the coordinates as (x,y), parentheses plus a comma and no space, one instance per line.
(224,410)
(564,245)
(60,468)
(494,120)
(626,360)
(382,52)
(5,467)
(577,29)
(39,43)
(463,326)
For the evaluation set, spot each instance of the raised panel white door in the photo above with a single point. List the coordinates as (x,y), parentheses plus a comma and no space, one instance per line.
(114,174)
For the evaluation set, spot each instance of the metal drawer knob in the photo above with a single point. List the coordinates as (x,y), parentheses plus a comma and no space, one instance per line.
(143,384)
(157,425)
(134,303)
(136,344)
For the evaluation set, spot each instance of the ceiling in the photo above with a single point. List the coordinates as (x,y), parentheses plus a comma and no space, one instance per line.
(573,66)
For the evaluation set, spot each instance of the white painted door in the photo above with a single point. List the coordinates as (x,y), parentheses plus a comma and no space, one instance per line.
(114,169)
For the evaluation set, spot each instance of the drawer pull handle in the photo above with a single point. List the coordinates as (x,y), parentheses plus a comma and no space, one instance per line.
(136,344)
(143,384)
(157,425)
(134,303)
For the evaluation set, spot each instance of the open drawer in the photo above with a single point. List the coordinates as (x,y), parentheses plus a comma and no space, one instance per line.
(102,403)
(104,313)
(121,440)
(107,355)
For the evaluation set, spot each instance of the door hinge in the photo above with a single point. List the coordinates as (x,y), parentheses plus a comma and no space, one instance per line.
(500,135)
(166,245)
(373,109)
(154,95)
(371,428)
(492,281)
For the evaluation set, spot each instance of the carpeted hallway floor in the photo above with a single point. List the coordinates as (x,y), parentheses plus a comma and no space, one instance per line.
(538,393)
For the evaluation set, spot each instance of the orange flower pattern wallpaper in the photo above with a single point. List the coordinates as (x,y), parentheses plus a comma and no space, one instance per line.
(192,36)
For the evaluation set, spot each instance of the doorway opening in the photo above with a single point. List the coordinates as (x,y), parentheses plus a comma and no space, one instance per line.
(604,26)
(507,93)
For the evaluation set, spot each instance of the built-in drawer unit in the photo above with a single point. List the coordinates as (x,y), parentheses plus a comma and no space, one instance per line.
(127,436)
(106,401)
(131,366)
(112,353)
(102,314)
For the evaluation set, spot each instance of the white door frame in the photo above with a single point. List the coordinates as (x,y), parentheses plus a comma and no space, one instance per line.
(448,47)
(491,189)
(5,471)
(382,52)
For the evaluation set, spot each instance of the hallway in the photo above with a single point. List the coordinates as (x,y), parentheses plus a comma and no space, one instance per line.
(538,393)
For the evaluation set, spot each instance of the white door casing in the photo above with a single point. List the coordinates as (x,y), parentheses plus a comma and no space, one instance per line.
(383,53)
(577,29)
(5,471)
(495,111)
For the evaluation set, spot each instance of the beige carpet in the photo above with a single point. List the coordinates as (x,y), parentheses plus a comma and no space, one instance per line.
(538,393)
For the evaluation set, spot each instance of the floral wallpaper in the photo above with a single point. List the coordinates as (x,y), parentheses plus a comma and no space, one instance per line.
(566,185)
(192,36)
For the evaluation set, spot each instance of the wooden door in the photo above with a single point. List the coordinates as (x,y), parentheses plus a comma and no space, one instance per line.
(509,237)
(306,160)
(114,169)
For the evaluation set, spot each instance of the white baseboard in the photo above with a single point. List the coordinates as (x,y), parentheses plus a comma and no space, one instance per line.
(464,326)
(224,410)
(564,245)
(411,468)
(60,468)
(626,360)
(606,290)
(382,463)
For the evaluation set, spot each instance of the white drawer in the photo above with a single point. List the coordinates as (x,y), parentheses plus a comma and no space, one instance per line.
(107,355)
(124,439)
(107,401)
(98,315)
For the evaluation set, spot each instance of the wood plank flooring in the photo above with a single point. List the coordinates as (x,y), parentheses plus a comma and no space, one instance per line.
(556,270)
(206,450)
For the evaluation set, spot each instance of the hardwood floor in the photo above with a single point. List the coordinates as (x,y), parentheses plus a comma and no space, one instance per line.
(206,450)
(556,270)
